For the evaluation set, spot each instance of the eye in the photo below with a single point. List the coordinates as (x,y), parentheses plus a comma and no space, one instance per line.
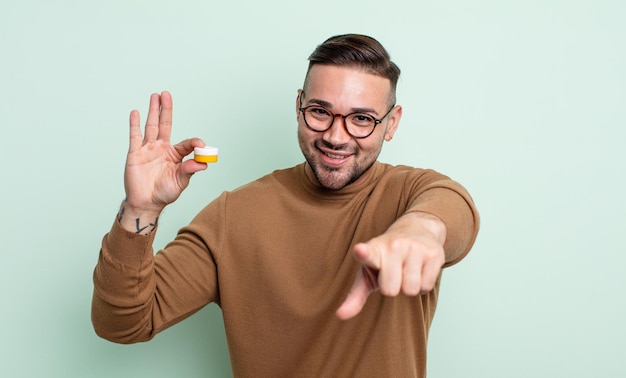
(318,112)
(361,119)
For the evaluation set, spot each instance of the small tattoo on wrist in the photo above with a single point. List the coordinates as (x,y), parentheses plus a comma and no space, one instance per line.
(140,229)
(120,215)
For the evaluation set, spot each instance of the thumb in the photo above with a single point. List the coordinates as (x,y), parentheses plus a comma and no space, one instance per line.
(364,284)
(187,169)
(368,255)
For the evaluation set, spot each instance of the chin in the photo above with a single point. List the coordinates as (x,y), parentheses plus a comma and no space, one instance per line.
(332,179)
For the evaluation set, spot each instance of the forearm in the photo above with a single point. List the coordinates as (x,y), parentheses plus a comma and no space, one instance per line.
(124,286)
(132,301)
(456,209)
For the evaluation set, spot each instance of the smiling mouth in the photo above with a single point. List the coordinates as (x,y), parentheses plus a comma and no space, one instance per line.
(333,156)
(333,160)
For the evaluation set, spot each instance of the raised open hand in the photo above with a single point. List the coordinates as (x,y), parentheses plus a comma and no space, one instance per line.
(155,173)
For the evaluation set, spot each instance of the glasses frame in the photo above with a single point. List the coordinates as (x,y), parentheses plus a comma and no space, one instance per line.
(345,124)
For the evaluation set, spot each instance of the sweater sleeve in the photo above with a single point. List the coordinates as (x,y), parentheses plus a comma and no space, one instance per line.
(123,282)
(450,202)
(138,294)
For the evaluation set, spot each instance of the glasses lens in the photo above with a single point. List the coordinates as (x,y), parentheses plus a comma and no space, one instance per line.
(318,118)
(360,124)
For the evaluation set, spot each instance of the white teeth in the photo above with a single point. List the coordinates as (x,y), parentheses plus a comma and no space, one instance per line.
(335,156)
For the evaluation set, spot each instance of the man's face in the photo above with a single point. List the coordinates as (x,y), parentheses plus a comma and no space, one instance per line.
(338,159)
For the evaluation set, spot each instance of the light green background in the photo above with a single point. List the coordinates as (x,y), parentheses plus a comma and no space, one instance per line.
(524,102)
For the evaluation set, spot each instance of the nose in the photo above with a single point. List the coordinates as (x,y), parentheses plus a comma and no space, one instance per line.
(338,132)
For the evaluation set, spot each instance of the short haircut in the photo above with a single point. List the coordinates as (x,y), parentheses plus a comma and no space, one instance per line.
(358,51)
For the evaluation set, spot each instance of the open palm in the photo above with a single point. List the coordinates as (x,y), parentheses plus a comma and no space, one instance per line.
(155,173)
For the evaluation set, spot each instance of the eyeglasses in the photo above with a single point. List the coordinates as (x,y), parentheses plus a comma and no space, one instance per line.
(358,125)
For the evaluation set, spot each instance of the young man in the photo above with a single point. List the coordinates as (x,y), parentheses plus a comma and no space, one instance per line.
(327,269)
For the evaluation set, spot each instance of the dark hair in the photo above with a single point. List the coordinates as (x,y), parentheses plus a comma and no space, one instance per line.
(359,51)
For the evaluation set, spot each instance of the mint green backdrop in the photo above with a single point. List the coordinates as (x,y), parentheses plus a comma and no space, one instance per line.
(521,101)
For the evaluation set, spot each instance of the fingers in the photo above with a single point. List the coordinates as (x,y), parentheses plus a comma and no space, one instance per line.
(366,281)
(159,121)
(364,284)
(430,273)
(135,132)
(368,255)
(165,118)
(389,264)
(152,123)
(185,147)
(419,273)
(189,167)
(390,277)
(412,275)
(393,269)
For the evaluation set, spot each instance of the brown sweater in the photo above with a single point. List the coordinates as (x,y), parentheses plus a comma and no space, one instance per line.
(275,255)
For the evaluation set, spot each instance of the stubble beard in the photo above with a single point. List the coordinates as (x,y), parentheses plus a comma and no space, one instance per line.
(330,177)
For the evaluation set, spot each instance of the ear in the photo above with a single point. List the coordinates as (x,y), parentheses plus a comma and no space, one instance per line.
(393,120)
(298,103)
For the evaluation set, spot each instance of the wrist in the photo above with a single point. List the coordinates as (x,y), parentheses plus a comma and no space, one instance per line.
(433,224)
(424,222)
(138,220)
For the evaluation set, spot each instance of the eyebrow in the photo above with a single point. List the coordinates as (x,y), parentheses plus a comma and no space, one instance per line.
(328,105)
